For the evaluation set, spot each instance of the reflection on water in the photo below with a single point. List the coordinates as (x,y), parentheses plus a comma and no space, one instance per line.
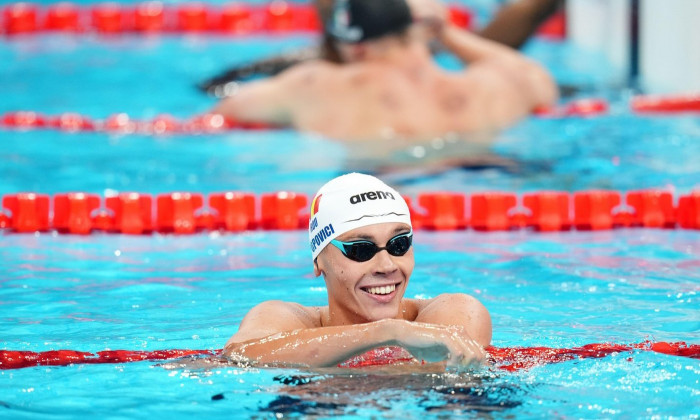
(392,156)
(349,394)
(370,392)
(399,388)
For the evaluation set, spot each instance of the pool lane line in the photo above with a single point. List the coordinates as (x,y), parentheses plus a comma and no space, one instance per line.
(151,18)
(210,123)
(504,358)
(134,213)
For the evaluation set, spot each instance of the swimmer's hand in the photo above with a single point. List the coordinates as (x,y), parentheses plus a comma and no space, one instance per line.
(436,343)
(431,12)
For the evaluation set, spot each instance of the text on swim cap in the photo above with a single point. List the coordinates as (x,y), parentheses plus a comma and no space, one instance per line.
(313,225)
(372,195)
(321,236)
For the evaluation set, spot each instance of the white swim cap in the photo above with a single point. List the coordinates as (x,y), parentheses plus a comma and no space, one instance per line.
(351,201)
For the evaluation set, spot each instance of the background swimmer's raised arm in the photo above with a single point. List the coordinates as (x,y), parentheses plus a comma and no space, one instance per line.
(516,21)
(513,74)
(281,332)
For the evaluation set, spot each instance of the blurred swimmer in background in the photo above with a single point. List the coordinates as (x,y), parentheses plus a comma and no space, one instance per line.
(512,25)
(389,98)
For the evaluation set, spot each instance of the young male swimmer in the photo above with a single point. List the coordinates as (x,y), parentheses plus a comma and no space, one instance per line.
(361,242)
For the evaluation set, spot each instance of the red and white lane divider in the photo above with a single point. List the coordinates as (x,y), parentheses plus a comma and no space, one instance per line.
(641,104)
(235,211)
(504,358)
(164,124)
(123,124)
(667,104)
(153,17)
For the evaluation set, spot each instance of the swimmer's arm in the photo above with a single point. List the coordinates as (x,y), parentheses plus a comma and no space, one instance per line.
(532,85)
(268,318)
(470,47)
(459,310)
(274,100)
(260,101)
(268,336)
(280,332)
(265,67)
(516,21)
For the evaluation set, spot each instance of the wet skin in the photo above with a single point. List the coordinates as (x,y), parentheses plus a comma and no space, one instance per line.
(350,283)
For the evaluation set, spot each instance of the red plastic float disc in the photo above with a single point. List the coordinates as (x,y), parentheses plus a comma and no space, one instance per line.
(20,18)
(281,211)
(235,211)
(444,211)
(63,16)
(108,18)
(149,17)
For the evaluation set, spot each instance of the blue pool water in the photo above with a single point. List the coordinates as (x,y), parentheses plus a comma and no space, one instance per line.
(163,292)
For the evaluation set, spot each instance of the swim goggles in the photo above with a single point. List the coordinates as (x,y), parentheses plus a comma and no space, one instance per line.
(362,251)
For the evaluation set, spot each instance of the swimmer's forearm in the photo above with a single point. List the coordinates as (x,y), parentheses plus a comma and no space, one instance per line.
(329,346)
(516,21)
(434,343)
(536,86)
(469,47)
(315,347)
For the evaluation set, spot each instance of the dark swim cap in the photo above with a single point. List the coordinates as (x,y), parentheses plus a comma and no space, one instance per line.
(354,21)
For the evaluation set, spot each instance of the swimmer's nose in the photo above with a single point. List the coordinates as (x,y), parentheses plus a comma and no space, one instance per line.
(384,263)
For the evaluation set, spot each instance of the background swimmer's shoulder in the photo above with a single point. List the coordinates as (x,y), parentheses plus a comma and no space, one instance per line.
(310,73)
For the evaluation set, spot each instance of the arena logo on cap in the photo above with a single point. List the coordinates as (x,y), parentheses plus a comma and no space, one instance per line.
(371,195)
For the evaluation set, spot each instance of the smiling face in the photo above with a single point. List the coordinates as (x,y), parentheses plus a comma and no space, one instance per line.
(367,291)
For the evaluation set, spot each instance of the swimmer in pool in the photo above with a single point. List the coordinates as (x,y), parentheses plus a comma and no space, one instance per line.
(389,87)
(513,25)
(361,242)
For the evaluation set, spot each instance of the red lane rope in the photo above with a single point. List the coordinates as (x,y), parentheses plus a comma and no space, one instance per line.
(517,358)
(123,124)
(504,358)
(11,359)
(235,211)
(641,104)
(165,124)
(153,17)
(667,104)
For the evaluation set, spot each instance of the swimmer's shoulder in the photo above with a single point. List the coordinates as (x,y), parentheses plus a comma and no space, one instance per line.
(272,317)
(290,312)
(458,309)
(325,74)
(450,303)
(309,80)
(310,71)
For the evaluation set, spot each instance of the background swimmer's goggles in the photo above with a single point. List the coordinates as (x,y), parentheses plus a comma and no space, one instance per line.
(362,251)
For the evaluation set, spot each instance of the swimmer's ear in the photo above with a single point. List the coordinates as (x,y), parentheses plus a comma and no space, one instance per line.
(317,269)
(359,51)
